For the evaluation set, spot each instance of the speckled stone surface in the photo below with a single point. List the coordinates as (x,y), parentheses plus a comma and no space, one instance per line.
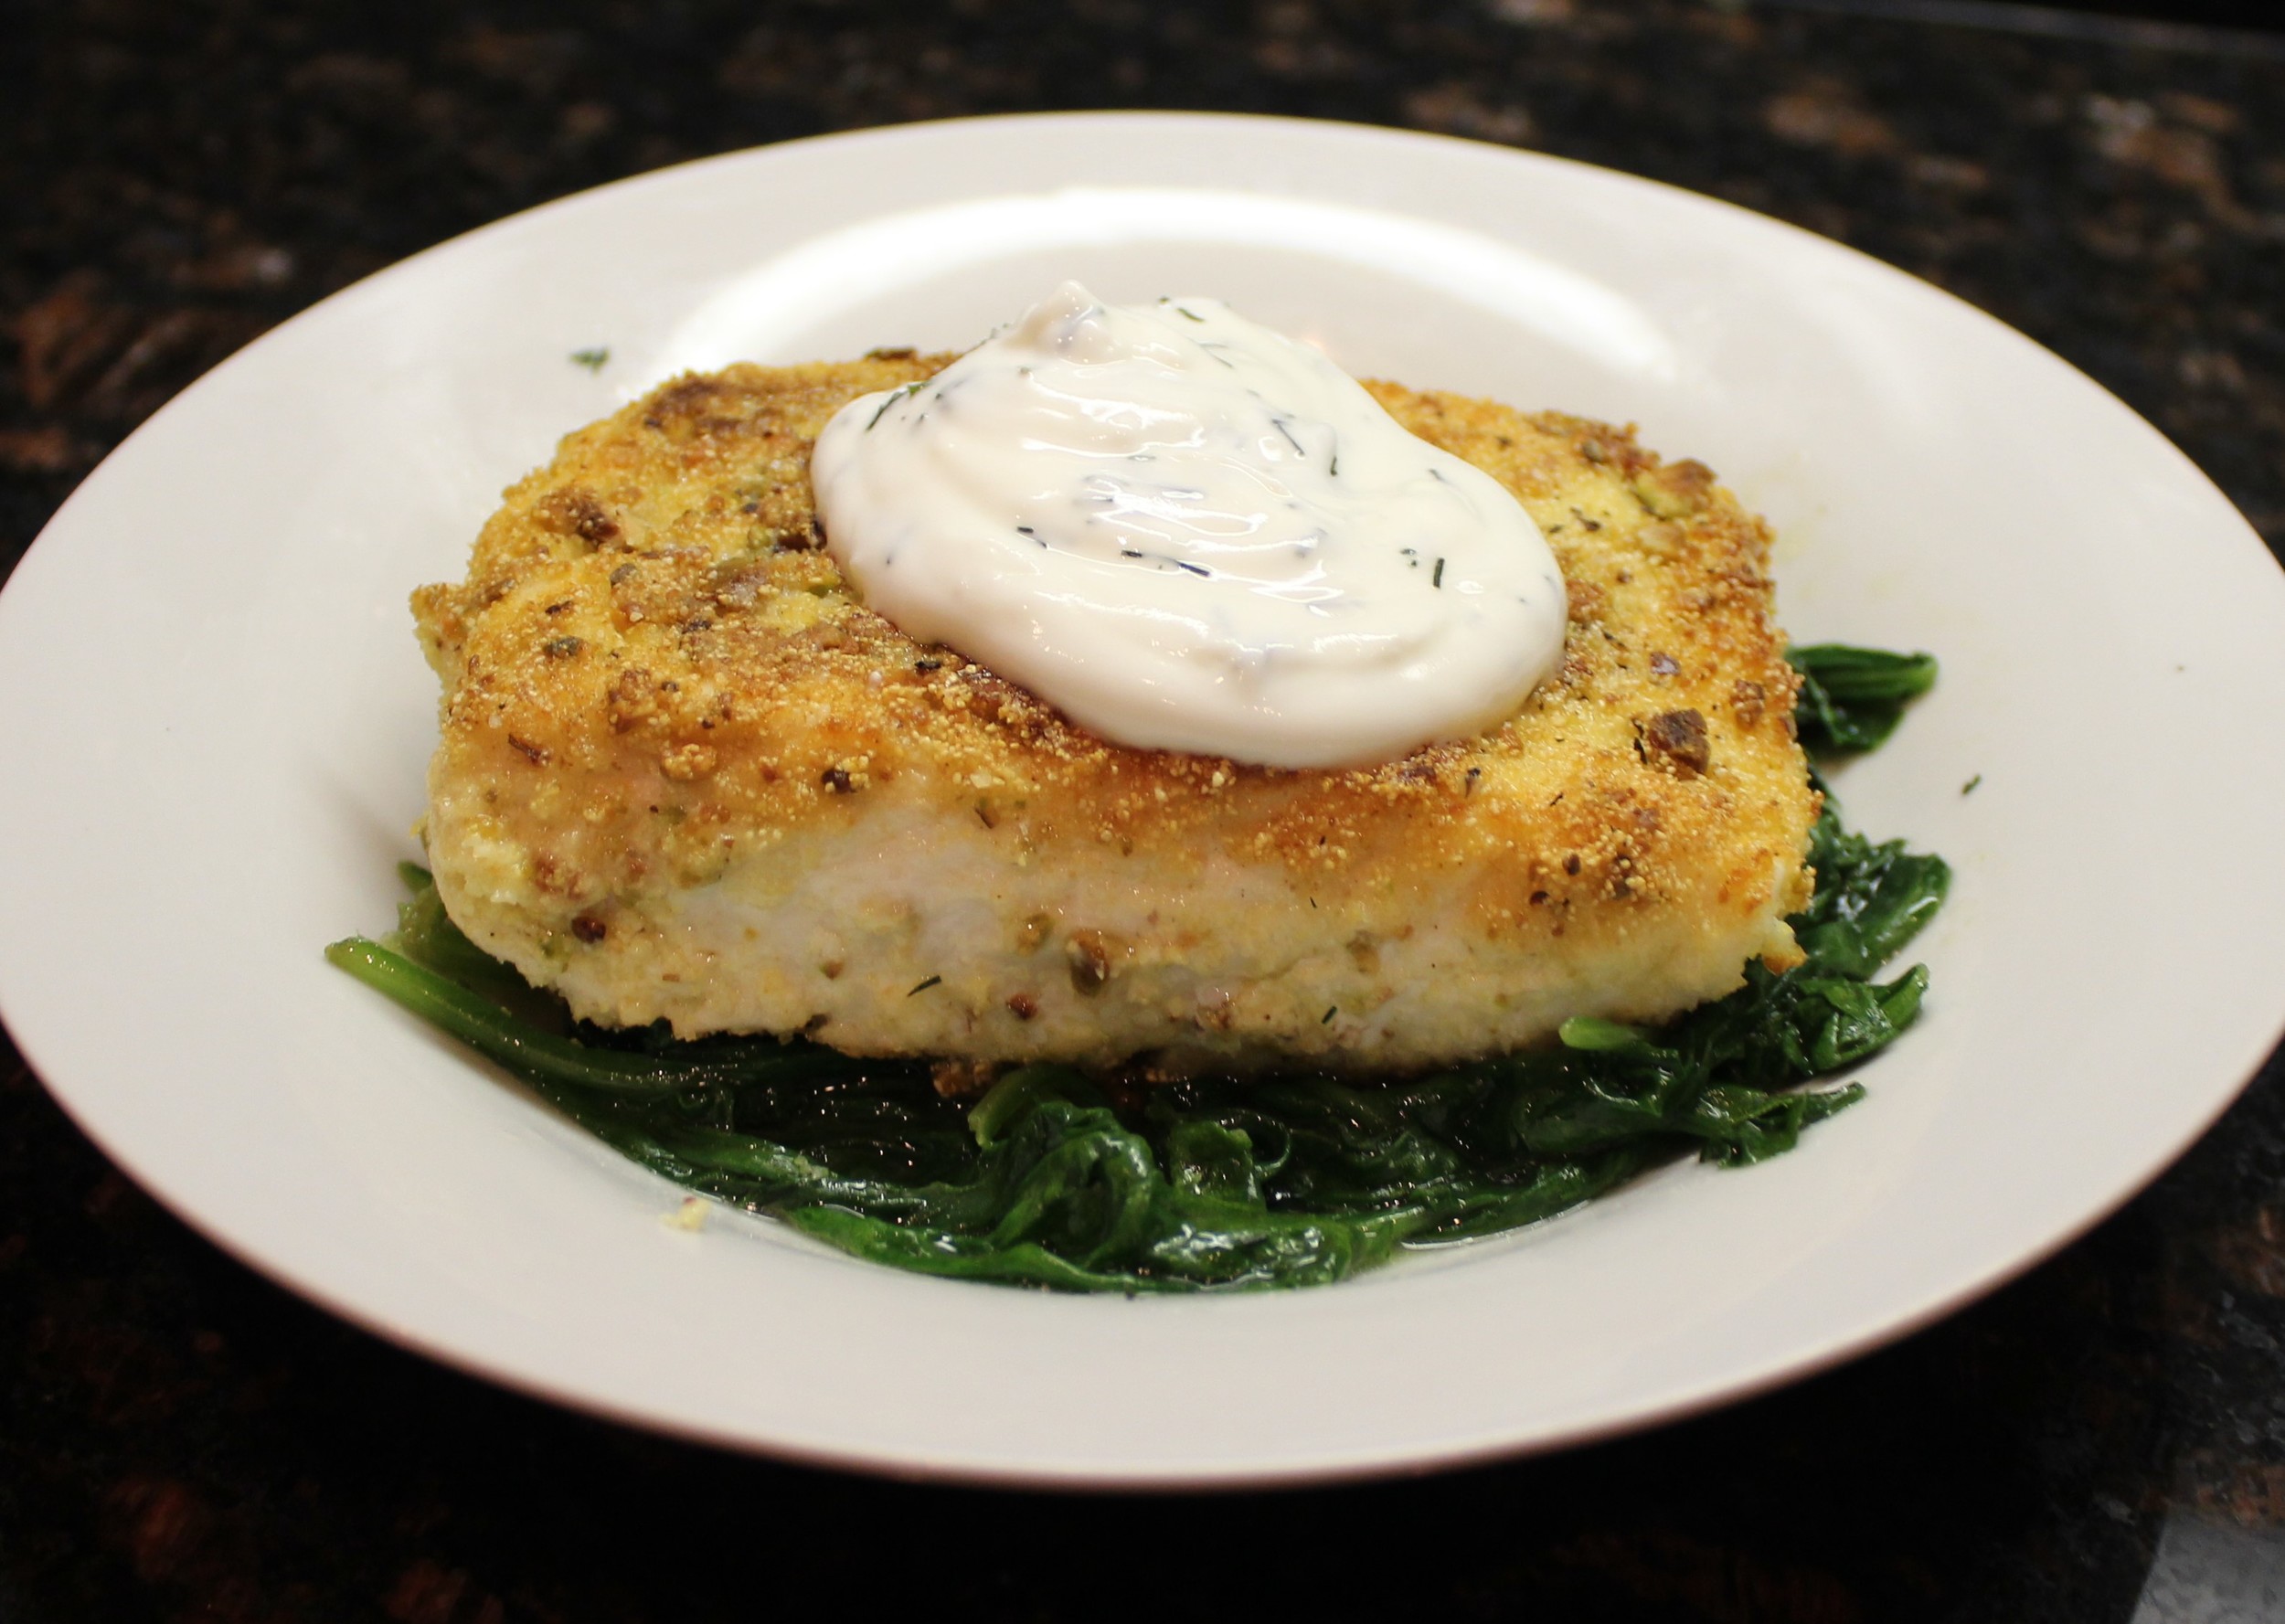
(2103,1440)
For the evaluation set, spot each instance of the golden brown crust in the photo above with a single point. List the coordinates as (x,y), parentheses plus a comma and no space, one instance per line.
(652,671)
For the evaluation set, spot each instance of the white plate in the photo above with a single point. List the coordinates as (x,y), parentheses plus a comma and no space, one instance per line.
(217,726)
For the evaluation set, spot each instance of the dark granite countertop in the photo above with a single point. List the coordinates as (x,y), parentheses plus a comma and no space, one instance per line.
(2102,1440)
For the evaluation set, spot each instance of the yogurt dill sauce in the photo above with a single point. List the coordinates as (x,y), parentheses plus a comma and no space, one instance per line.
(1190,533)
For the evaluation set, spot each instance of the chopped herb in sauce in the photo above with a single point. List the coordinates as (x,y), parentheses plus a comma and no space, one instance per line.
(894,397)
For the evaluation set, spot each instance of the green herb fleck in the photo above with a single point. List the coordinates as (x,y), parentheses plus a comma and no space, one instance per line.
(592,359)
(934,980)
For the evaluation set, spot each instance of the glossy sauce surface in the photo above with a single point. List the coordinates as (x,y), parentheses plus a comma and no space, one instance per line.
(1188,532)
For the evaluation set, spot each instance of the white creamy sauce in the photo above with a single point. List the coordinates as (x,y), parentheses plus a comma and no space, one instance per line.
(1190,533)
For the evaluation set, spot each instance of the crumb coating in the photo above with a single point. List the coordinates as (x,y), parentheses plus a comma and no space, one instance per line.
(684,774)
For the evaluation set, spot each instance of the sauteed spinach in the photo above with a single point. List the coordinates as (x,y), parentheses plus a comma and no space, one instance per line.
(1056,1179)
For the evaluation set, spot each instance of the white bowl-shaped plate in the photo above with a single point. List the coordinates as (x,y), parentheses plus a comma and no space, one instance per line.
(217,725)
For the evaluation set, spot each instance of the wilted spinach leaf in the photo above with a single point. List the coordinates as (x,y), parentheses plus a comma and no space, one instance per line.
(1852,698)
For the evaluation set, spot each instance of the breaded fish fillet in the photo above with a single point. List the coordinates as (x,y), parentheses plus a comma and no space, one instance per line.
(684,775)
